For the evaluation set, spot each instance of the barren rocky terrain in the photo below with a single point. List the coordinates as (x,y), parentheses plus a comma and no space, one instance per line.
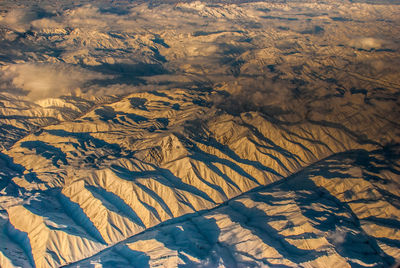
(199,134)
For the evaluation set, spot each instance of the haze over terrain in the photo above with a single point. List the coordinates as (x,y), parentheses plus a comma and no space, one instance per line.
(199,133)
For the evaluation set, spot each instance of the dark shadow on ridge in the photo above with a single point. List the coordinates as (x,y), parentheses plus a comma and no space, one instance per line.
(47,151)
(129,74)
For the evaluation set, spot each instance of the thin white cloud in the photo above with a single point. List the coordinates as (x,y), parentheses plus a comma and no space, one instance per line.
(86,17)
(91,17)
(83,17)
(46,23)
(367,43)
(42,80)
(17,19)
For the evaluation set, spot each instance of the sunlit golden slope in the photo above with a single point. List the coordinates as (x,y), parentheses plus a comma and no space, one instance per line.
(151,157)
(199,134)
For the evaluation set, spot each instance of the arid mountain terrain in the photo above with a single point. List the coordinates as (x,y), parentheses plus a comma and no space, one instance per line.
(199,133)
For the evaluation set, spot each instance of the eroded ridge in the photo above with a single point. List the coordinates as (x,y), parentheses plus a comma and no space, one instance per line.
(199,133)
(133,164)
(337,213)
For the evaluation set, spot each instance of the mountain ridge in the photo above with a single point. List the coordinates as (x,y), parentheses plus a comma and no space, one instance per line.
(97,193)
(124,127)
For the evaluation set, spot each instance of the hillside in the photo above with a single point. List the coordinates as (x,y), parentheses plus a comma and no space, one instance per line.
(199,134)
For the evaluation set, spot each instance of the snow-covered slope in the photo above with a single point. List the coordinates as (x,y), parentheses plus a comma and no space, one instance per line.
(198,133)
(19,117)
(124,167)
(339,212)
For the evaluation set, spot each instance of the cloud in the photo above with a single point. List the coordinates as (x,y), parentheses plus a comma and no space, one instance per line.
(17,19)
(46,23)
(20,19)
(367,43)
(88,16)
(91,17)
(338,237)
(43,80)
(262,95)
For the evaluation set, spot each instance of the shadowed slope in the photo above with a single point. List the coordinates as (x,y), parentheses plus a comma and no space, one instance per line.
(302,220)
(116,178)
